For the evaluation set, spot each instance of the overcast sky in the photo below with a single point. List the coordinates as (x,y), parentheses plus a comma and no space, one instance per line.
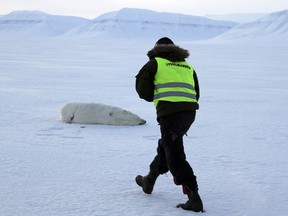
(93,8)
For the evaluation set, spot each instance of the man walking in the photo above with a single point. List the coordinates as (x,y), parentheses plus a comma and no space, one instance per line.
(172,84)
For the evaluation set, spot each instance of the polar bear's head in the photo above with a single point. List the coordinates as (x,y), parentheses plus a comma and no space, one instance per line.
(120,116)
(67,113)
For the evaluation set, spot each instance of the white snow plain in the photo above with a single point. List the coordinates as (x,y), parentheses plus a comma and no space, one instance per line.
(237,145)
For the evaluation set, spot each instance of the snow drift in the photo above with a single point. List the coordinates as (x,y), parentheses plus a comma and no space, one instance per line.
(97,113)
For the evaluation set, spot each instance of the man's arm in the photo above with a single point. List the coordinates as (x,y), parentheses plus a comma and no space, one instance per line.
(145,80)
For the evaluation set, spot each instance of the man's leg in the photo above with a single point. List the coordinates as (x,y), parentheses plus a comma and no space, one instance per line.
(157,167)
(173,128)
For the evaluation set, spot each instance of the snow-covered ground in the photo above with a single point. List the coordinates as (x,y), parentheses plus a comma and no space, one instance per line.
(237,146)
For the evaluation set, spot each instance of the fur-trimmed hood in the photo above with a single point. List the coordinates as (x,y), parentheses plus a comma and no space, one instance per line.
(170,52)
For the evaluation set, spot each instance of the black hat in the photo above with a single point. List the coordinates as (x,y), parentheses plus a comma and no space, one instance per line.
(164,41)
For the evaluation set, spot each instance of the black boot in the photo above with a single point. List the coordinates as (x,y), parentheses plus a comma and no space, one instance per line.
(194,202)
(147,182)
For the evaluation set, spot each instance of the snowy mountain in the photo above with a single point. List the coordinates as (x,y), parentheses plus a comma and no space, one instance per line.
(274,24)
(239,18)
(140,23)
(36,23)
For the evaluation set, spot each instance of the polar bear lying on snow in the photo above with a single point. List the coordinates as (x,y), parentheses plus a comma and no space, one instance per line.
(97,113)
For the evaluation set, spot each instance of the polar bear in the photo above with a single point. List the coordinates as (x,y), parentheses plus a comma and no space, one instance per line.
(97,113)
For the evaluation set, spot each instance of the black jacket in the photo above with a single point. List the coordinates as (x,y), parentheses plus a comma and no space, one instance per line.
(145,79)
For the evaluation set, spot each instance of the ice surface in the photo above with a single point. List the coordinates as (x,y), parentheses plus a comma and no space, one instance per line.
(237,145)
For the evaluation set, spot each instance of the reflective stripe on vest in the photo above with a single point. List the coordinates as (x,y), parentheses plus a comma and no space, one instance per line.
(174,82)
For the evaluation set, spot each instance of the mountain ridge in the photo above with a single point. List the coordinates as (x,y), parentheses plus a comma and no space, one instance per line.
(274,24)
(37,23)
(142,23)
(131,23)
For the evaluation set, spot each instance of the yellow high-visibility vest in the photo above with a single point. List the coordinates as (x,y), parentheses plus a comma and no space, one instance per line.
(174,82)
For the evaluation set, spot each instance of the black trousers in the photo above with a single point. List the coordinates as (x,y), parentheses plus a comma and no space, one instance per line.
(170,151)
